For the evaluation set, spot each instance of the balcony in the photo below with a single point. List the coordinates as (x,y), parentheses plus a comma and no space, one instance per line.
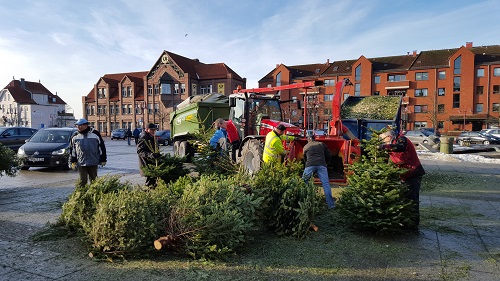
(390,85)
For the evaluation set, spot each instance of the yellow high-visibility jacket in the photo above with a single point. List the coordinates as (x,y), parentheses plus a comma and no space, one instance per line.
(273,148)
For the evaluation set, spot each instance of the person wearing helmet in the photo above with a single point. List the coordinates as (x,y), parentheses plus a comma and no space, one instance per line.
(403,154)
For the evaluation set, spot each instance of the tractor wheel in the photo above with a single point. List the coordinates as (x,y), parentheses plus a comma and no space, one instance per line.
(251,155)
(176,148)
(185,150)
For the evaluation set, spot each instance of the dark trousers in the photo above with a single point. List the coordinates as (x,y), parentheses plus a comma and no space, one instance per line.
(414,195)
(86,173)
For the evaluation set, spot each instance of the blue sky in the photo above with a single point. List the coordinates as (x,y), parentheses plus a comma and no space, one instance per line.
(68,45)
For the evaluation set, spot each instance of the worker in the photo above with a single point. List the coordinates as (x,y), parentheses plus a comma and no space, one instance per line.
(233,137)
(403,154)
(273,148)
(316,157)
(219,139)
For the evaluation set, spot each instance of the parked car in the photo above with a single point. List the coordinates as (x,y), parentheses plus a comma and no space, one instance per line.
(14,137)
(422,136)
(163,137)
(118,134)
(494,132)
(474,137)
(432,131)
(48,147)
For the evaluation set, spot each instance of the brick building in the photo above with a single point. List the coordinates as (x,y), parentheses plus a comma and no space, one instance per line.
(134,99)
(451,89)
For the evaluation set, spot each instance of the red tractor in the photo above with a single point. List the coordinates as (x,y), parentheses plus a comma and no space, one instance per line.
(255,112)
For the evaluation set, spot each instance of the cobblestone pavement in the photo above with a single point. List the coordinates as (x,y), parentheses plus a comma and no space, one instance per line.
(28,203)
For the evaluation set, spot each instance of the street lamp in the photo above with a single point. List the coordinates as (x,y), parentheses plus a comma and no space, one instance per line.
(465,116)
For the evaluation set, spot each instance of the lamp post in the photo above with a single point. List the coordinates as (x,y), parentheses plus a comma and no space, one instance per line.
(465,116)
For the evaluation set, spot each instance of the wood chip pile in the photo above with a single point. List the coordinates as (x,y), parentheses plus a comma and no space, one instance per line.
(377,108)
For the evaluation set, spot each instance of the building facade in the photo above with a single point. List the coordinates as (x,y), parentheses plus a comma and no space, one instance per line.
(451,90)
(132,100)
(30,104)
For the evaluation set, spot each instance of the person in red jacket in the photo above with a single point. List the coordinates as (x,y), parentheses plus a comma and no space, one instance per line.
(403,154)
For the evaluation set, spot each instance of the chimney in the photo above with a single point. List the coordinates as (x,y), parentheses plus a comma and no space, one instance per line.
(327,61)
(414,53)
(23,83)
(468,45)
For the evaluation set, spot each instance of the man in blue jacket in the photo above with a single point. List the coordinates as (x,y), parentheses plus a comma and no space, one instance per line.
(87,150)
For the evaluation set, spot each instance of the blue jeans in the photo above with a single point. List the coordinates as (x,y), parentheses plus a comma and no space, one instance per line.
(322,174)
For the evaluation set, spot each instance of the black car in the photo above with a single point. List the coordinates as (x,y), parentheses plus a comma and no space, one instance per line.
(472,137)
(163,137)
(47,148)
(14,137)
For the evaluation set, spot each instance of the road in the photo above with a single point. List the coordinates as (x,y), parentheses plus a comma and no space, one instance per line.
(122,160)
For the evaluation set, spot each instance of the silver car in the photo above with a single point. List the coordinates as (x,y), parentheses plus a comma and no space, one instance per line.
(422,136)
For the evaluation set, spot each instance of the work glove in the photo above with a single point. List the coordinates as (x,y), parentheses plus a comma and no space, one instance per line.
(74,166)
(102,164)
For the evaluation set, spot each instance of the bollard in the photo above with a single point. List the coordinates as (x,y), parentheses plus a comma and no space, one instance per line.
(446,145)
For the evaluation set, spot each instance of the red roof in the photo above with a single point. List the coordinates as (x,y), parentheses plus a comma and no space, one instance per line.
(23,94)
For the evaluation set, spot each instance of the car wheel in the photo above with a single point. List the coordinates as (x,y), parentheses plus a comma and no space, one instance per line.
(486,142)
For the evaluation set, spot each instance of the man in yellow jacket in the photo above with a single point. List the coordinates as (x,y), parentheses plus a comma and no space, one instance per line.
(273,149)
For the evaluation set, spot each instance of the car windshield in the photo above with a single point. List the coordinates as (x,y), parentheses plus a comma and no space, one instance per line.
(51,136)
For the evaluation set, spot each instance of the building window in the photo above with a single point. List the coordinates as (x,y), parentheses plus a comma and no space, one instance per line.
(479,90)
(150,108)
(129,91)
(346,95)
(376,79)
(419,124)
(278,80)
(157,108)
(357,89)
(396,78)
(92,110)
(87,110)
(397,93)
(206,89)
(129,107)
(183,88)
(376,93)
(456,84)
(150,90)
(327,97)
(440,124)
(496,89)
(157,89)
(421,76)
(420,92)
(124,92)
(329,82)
(457,65)
(420,108)
(495,107)
(327,111)
(442,75)
(456,100)
(440,108)
(441,91)
(479,107)
(480,72)
(357,73)
(124,109)
(166,89)
(496,71)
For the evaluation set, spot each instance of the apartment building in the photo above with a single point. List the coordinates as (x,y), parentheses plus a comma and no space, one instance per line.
(450,89)
(134,99)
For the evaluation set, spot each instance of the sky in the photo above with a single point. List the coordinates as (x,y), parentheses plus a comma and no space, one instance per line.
(68,45)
